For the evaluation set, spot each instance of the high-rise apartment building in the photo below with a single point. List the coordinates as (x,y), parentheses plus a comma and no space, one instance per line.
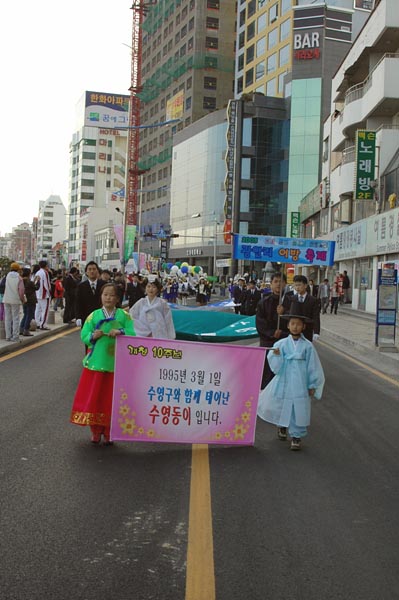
(188,72)
(97,169)
(264,40)
(51,226)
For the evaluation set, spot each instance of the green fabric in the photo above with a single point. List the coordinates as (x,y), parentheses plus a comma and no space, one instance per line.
(101,355)
(212,326)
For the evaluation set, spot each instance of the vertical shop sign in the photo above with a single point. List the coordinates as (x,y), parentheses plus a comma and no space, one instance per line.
(365,165)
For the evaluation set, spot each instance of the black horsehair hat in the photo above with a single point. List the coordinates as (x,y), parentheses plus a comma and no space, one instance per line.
(296,311)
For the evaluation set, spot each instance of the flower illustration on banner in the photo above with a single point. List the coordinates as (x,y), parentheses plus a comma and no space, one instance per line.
(239,431)
(124,396)
(140,430)
(150,433)
(248,404)
(128,427)
(124,410)
(245,417)
(241,426)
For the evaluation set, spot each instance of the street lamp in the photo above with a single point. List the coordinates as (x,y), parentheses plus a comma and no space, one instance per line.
(122,250)
(215,233)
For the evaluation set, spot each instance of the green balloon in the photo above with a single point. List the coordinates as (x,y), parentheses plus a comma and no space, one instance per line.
(164,266)
(197,269)
(178,264)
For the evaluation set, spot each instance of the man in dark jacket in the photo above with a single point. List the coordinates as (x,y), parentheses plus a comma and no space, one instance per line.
(238,295)
(134,291)
(71,282)
(310,308)
(88,294)
(268,323)
(251,299)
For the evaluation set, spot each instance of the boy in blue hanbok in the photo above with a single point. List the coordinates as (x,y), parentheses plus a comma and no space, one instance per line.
(299,377)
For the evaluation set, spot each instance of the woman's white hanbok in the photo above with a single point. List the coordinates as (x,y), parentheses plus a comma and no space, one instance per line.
(297,370)
(153,319)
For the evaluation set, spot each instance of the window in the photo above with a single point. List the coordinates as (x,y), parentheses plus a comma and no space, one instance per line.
(211,62)
(262,22)
(271,87)
(209,103)
(87,169)
(183,50)
(89,155)
(191,24)
(285,29)
(241,40)
(212,23)
(239,85)
(242,18)
(260,70)
(88,182)
(240,64)
(260,47)
(261,3)
(188,103)
(271,63)
(250,54)
(90,142)
(183,31)
(284,55)
(273,13)
(210,83)
(251,8)
(249,77)
(272,38)
(281,83)
(213,4)
(189,83)
(190,44)
(285,6)
(211,43)
(250,31)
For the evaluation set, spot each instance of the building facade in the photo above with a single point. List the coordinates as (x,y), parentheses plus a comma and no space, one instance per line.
(97,169)
(188,72)
(51,227)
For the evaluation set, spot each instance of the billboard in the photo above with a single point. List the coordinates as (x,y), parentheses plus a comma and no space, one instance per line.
(300,251)
(365,165)
(106,110)
(175,106)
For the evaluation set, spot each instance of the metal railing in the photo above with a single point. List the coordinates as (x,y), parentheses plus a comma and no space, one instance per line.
(357,91)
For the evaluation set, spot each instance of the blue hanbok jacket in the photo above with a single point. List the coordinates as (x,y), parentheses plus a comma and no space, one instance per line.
(297,370)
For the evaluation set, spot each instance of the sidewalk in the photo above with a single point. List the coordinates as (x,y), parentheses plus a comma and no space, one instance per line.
(7,347)
(353,332)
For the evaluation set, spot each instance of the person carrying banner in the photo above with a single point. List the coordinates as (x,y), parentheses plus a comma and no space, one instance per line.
(92,404)
(299,377)
(152,315)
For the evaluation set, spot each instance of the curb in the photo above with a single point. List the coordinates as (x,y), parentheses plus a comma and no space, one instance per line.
(12,347)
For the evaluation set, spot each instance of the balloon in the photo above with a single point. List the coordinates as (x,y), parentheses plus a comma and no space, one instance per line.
(184,264)
(169,265)
(174,269)
(164,266)
(184,269)
(191,269)
(197,269)
(178,264)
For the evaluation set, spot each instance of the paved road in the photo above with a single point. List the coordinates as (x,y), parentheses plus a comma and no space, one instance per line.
(81,522)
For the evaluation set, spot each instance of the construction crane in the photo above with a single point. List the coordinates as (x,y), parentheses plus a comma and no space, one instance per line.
(138,8)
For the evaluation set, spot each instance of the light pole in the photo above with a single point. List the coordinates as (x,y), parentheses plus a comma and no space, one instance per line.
(122,251)
(215,233)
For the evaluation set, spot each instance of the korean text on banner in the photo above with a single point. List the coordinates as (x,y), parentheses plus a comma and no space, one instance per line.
(298,251)
(185,392)
(365,165)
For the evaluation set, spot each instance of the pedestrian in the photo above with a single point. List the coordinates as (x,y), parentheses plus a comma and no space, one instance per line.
(29,305)
(14,296)
(251,298)
(323,295)
(312,288)
(311,307)
(345,287)
(2,290)
(183,291)
(268,320)
(152,315)
(202,292)
(340,280)
(88,294)
(238,295)
(134,290)
(299,377)
(92,404)
(58,292)
(43,295)
(334,298)
(71,283)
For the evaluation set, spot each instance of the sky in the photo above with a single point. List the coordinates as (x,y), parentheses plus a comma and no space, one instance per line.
(52,52)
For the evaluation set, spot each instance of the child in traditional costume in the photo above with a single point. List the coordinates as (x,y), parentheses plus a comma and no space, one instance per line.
(152,315)
(299,377)
(93,399)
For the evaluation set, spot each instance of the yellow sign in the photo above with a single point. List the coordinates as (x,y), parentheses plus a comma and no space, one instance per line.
(175,106)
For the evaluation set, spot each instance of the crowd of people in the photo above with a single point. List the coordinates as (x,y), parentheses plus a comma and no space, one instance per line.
(287,320)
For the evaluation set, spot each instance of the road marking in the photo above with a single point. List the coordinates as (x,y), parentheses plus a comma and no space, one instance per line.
(37,344)
(361,364)
(200,575)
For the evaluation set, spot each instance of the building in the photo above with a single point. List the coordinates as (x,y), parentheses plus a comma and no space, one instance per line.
(21,243)
(188,72)
(365,98)
(97,169)
(51,227)
(265,40)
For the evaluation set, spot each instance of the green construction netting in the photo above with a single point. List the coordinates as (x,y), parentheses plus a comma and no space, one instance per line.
(203,325)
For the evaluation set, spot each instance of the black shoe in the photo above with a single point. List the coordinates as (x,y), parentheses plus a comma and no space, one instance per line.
(296,443)
(282,433)
(27,334)
(44,328)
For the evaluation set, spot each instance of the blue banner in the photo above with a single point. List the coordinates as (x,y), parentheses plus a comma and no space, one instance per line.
(298,251)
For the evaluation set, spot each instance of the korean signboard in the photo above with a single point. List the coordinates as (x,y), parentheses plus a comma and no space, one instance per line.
(295,220)
(365,165)
(106,110)
(185,392)
(231,135)
(175,107)
(387,304)
(287,250)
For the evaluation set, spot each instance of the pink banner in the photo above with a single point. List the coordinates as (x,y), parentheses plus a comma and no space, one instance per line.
(185,392)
